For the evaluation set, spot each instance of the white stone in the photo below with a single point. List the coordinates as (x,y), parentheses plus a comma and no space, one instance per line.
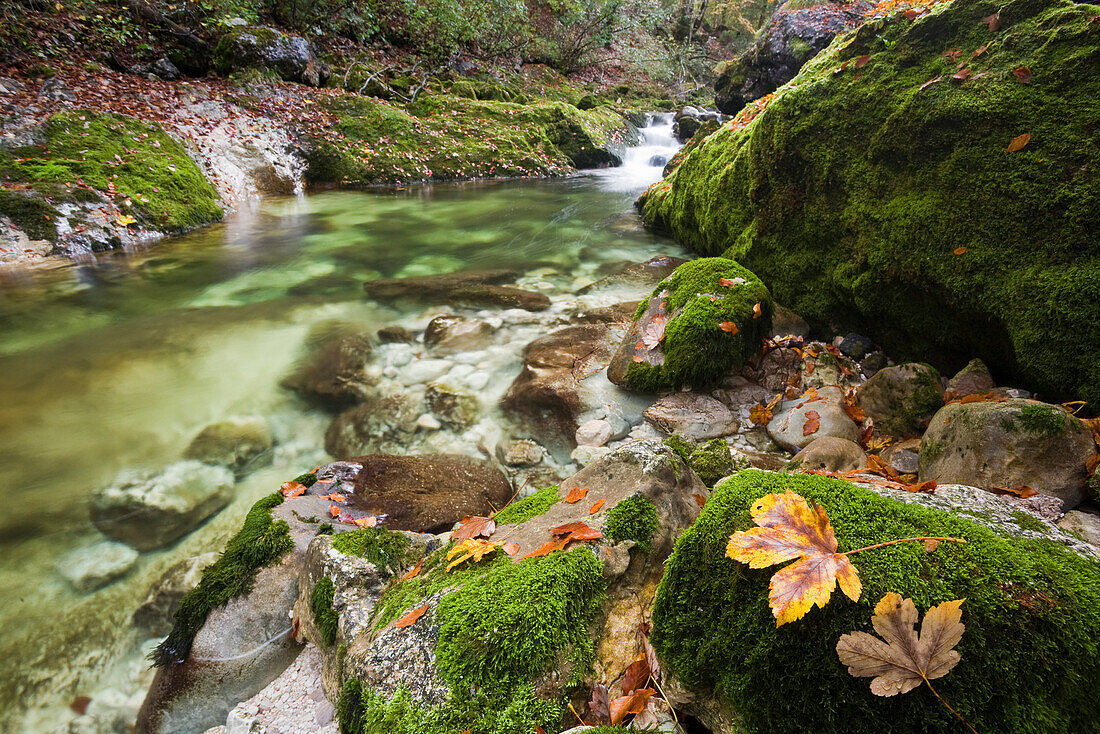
(424,370)
(585,455)
(97,565)
(478,380)
(428,422)
(593,433)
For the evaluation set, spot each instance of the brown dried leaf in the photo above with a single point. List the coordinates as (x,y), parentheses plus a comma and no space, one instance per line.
(862,61)
(1022,74)
(510,548)
(632,704)
(813,422)
(929,83)
(699,499)
(728,326)
(636,675)
(474,526)
(413,572)
(410,619)
(901,660)
(654,331)
(598,706)
(930,545)
(962,75)
(993,22)
(1021,491)
(1019,142)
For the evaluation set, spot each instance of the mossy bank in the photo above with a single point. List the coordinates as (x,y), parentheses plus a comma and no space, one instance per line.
(882,191)
(1032,616)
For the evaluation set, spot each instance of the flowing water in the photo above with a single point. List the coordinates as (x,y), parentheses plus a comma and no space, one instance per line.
(117,364)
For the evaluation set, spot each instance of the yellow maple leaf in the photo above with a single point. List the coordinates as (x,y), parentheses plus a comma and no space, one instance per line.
(472,550)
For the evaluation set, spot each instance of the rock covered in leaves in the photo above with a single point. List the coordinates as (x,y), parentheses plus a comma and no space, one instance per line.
(881,191)
(1026,599)
(901,399)
(703,321)
(1008,444)
(149,510)
(289,56)
(796,33)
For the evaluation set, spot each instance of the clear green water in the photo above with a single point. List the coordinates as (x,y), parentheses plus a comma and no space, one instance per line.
(119,363)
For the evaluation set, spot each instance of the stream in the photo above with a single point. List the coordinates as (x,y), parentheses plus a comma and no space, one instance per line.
(119,363)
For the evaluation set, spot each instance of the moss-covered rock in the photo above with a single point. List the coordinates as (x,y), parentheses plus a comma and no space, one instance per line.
(1032,616)
(261,48)
(711,460)
(901,399)
(707,318)
(852,189)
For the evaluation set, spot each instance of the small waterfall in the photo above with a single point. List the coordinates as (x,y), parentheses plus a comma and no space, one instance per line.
(644,163)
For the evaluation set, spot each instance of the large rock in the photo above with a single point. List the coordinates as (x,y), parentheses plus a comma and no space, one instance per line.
(692,416)
(1009,444)
(334,373)
(576,612)
(90,567)
(291,57)
(239,444)
(829,453)
(973,379)
(851,191)
(147,510)
(636,277)
(427,493)
(728,665)
(793,424)
(795,35)
(380,424)
(703,321)
(437,289)
(449,333)
(902,399)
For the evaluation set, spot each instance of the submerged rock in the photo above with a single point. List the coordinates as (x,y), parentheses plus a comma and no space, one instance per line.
(160,605)
(703,321)
(90,567)
(636,276)
(712,624)
(1009,444)
(240,444)
(427,493)
(450,333)
(148,510)
(379,424)
(434,288)
(335,374)
(520,452)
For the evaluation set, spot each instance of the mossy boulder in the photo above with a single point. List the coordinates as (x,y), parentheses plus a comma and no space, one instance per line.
(1032,616)
(703,321)
(901,399)
(261,48)
(1009,444)
(851,190)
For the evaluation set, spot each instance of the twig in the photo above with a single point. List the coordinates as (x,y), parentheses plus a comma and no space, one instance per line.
(894,542)
(945,703)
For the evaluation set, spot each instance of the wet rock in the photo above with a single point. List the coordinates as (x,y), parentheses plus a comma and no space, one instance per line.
(620,313)
(428,423)
(163,599)
(335,373)
(829,453)
(824,368)
(376,425)
(595,432)
(520,452)
(559,382)
(856,346)
(427,493)
(789,426)
(94,566)
(162,68)
(499,296)
(1085,525)
(692,416)
(638,275)
(904,457)
(448,334)
(240,444)
(436,289)
(419,371)
(795,35)
(786,322)
(686,127)
(901,399)
(779,369)
(658,161)
(453,406)
(395,335)
(1009,444)
(973,379)
(148,510)
(258,47)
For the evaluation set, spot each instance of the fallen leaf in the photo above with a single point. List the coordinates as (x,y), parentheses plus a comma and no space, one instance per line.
(636,675)
(852,409)
(789,528)
(472,550)
(510,548)
(699,499)
(334,497)
(1021,491)
(1018,142)
(576,531)
(728,326)
(952,54)
(901,660)
(728,283)
(370,521)
(410,619)
(876,465)
(1022,74)
(959,250)
(335,510)
(413,572)
(985,397)
(862,61)
(756,311)
(576,494)
(929,83)
(292,489)
(654,331)
(813,422)
(638,358)
(979,51)
(548,547)
(930,545)
(598,705)
(633,704)
(473,526)
(993,22)
(962,75)
(596,507)
(80,705)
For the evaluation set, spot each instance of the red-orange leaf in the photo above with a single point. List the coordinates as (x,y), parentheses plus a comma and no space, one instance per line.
(813,422)
(632,704)
(548,547)
(1021,491)
(756,311)
(413,572)
(728,327)
(636,675)
(474,526)
(334,497)
(699,499)
(410,619)
(576,531)
(292,489)
(959,250)
(596,507)
(576,494)
(1022,74)
(862,61)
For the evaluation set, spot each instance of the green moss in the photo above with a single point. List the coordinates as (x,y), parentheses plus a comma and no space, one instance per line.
(697,351)
(635,518)
(713,460)
(680,446)
(1032,614)
(1046,420)
(528,507)
(144,171)
(30,214)
(324,616)
(308,479)
(1027,521)
(850,192)
(260,542)
(931,449)
(386,549)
